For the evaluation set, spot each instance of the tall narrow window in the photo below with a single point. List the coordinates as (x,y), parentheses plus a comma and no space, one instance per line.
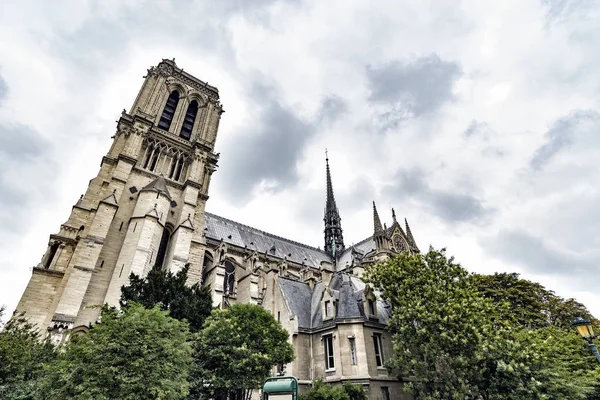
(206,266)
(371,307)
(174,161)
(169,111)
(229,279)
(179,168)
(53,250)
(378,349)
(328,347)
(162,248)
(327,308)
(188,122)
(385,393)
(154,160)
(352,350)
(149,151)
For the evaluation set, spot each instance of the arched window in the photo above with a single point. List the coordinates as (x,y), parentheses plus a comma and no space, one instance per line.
(229,279)
(162,248)
(188,122)
(169,111)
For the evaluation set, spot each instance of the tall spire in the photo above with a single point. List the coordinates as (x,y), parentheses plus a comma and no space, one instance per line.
(334,240)
(376,221)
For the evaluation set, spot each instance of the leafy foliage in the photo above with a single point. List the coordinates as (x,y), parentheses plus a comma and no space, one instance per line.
(325,391)
(237,348)
(135,354)
(355,392)
(192,303)
(527,304)
(22,357)
(464,339)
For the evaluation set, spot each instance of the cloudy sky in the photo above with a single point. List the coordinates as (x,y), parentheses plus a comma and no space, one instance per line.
(478,121)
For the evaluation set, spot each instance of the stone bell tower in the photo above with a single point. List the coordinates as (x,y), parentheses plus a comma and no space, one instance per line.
(145,206)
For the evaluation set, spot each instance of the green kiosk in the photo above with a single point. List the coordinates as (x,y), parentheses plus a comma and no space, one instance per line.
(280,388)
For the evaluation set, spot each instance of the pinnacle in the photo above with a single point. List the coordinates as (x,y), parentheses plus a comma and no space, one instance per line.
(376,221)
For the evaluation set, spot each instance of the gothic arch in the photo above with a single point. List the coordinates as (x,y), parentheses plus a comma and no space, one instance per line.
(169,111)
(229,265)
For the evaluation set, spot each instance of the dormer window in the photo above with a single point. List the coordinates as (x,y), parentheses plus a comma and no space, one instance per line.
(188,122)
(169,111)
(328,309)
(371,307)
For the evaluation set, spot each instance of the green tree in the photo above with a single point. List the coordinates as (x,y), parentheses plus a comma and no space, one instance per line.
(192,303)
(236,350)
(460,343)
(527,304)
(23,354)
(325,391)
(437,322)
(355,392)
(137,353)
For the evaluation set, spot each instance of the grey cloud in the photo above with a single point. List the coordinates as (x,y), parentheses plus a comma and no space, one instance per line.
(332,107)
(23,158)
(477,129)
(268,150)
(419,86)
(541,257)
(449,206)
(3,89)
(561,135)
(558,10)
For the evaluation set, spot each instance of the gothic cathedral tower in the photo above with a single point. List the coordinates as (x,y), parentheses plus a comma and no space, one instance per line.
(145,206)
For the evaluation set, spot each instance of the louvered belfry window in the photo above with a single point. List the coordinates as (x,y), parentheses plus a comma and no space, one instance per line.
(188,122)
(169,111)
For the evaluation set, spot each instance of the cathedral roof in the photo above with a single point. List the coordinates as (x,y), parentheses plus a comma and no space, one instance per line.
(347,289)
(237,234)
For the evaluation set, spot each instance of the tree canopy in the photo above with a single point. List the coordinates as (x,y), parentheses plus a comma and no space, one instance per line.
(137,353)
(238,347)
(324,391)
(527,304)
(192,303)
(23,355)
(465,337)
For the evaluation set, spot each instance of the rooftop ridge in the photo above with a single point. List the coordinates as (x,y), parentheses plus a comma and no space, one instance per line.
(267,233)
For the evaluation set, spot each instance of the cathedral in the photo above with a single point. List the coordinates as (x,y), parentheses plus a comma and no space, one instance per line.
(146,207)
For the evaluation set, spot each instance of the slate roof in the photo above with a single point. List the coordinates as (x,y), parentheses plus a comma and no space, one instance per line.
(298,295)
(234,233)
(347,289)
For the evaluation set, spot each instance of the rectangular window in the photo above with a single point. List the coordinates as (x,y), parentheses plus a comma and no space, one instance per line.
(327,308)
(328,347)
(352,350)
(378,349)
(371,307)
(385,393)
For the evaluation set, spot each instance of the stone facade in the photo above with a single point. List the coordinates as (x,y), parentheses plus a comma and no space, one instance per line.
(146,206)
